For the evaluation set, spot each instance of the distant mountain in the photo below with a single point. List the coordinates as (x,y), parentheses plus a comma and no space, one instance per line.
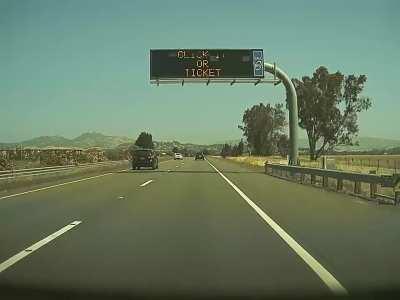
(85,140)
(364,144)
(44,141)
(167,146)
(371,143)
(95,139)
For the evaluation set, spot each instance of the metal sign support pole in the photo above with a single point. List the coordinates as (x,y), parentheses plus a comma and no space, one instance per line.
(291,98)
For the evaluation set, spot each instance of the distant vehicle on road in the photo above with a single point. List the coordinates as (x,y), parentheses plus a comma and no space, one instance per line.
(178,156)
(199,155)
(144,158)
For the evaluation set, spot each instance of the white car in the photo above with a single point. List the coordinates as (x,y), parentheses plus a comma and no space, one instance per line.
(178,156)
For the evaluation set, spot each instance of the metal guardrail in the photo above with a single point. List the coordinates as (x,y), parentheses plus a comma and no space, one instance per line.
(17,171)
(357,178)
(9,174)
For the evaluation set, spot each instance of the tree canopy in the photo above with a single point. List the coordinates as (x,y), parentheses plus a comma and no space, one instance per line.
(226,150)
(145,140)
(328,105)
(262,127)
(283,145)
(235,150)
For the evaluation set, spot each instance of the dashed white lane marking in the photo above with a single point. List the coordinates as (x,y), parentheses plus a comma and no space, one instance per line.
(147,182)
(164,161)
(66,183)
(333,284)
(17,257)
(53,186)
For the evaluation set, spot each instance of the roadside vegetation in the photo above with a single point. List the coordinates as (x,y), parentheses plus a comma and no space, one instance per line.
(264,128)
(329,105)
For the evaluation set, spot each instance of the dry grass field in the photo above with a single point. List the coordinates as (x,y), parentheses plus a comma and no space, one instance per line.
(381,164)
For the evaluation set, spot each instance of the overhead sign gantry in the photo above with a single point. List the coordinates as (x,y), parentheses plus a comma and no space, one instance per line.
(224,65)
(214,64)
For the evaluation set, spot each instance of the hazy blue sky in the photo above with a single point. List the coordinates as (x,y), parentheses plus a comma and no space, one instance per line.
(67,67)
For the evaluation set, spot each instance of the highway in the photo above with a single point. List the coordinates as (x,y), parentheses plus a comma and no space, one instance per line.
(201,228)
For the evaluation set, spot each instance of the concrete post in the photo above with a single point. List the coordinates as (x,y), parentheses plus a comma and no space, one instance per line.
(339,184)
(357,187)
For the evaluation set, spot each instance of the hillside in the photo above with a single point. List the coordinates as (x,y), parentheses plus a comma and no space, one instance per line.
(95,139)
(365,144)
(169,145)
(44,141)
(85,140)
(371,143)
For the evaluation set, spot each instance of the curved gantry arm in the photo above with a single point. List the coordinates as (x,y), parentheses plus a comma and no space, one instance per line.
(291,97)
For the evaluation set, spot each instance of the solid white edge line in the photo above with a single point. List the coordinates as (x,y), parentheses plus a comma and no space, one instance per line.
(17,257)
(147,182)
(333,284)
(53,186)
(65,183)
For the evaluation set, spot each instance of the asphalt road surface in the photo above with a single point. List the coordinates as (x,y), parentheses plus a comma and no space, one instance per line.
(201,228)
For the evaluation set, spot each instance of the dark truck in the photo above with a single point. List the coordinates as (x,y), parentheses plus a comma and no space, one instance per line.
(144,158)
(199,155)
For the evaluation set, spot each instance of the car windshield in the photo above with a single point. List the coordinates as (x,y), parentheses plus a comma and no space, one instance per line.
(199,149)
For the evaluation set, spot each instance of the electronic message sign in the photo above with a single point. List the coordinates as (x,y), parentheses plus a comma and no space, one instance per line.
(206,63)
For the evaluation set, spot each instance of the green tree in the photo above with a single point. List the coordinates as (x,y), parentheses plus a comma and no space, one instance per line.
(237,150)
(145,140)
(240,147)
(328,108)
(226,150)
(175,150)
(262,126)
(234,150)
(283,145)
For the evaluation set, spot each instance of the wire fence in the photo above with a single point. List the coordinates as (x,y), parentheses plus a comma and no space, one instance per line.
(377,164)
